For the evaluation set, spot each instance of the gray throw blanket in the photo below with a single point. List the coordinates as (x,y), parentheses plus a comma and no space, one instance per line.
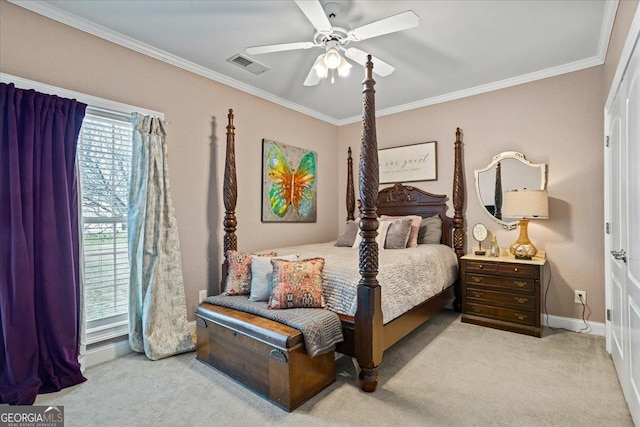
(320,328)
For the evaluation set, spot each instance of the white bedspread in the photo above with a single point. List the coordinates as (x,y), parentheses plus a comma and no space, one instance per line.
(407,276)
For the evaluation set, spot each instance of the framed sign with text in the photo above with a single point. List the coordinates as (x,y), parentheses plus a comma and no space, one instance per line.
(415,162)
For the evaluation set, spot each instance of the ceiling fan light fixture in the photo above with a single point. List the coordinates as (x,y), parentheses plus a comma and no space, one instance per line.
(344,68)
(321,69)
(332,58)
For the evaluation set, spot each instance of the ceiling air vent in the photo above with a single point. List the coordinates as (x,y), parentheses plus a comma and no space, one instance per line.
(247,64)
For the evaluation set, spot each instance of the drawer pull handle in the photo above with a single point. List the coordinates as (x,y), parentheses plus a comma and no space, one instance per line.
(476,279)
(520,284)
(476,309)
(521,300)
(278,355)
(515,269)
(477,294)
(480,267)
(520,316)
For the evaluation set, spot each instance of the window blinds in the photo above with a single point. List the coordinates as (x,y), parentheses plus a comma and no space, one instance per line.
(104,154)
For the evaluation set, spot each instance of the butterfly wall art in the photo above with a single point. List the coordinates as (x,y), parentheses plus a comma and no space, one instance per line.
(288,183)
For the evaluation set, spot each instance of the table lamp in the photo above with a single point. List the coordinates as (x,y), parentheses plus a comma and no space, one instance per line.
(525,205)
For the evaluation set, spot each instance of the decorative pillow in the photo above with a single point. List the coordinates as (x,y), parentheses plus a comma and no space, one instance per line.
(349,236)
(239,272)
(262,276)
(415,227)
(430,230)
(297,284)
(398,234)
(383,228)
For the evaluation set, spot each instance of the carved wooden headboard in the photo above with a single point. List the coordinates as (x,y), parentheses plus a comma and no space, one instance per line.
(401,200)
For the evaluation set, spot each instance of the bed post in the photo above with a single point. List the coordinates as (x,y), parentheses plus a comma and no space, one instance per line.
(230,196)
(497,193)
(368,320)
(351,198)
(458,206)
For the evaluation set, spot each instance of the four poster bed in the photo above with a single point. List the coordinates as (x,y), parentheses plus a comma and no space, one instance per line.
(365,333)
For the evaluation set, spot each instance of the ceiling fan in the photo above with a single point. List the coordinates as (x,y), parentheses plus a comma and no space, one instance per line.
(335,39)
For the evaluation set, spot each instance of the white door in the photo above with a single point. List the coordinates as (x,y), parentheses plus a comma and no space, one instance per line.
(617,228)
(624,244)
(631,207)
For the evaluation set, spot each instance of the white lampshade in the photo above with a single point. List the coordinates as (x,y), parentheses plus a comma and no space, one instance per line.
(527,204)
(344,68)
(321,69)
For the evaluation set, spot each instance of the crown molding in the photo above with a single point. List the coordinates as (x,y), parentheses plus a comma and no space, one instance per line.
(610,9)
(90,27)
(490,87)
(64,17)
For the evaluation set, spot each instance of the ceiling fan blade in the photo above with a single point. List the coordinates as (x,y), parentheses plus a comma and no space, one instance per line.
(399,22)
(313,78)
(380,67)
(315,14)
(255,50)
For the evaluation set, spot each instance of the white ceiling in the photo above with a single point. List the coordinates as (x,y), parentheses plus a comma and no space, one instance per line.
(460,47)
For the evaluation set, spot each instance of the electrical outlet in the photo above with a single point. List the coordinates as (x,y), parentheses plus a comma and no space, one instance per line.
(580,297)
(202,295)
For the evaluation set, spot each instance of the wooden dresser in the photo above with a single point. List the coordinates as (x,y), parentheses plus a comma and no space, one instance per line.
(502,292)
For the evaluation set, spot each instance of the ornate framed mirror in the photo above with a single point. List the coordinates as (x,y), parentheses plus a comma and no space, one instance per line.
(509,170)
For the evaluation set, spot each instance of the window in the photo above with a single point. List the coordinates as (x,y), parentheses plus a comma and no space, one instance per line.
(104,159)
(104,164)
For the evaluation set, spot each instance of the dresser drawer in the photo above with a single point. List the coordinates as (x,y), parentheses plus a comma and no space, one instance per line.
(497,282)
(510,315)
(501,299)
(518,270)
(481,267)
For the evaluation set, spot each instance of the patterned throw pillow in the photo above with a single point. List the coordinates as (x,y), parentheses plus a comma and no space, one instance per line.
(262,276)
(297,284)
(239,273)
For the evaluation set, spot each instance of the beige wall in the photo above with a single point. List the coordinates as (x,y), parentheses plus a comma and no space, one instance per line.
(557,121)
(41,49)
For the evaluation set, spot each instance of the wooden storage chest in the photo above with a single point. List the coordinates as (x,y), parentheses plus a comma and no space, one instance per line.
(266,356)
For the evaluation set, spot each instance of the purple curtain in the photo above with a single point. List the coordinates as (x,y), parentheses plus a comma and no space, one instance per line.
(39,271)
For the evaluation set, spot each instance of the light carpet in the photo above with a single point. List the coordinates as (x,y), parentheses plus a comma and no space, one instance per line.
(446,373)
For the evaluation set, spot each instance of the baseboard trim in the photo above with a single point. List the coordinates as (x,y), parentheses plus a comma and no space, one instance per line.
(596,328)
(104,353)
(107,352)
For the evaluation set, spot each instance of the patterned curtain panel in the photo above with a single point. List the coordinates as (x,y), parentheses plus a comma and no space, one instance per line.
(39,244)
(157,308)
